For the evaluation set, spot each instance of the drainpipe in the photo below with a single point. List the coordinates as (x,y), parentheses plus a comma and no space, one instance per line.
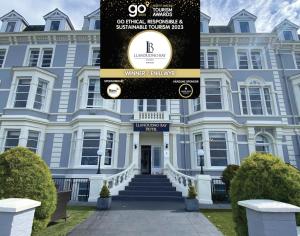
(184,133)
(289,101)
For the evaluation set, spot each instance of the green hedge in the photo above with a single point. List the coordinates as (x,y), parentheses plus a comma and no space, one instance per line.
(24,174)
(263,176)
(228,174)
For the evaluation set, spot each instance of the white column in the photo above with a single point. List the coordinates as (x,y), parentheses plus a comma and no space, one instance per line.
(23,137)
(231,158)
(203,185)
(251,140)
(96,183)
(136,148)
(102,145)
(278,143)
(175,162)
(166,142)
(127,150)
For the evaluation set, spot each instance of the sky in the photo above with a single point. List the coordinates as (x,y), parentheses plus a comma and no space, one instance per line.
(269,12)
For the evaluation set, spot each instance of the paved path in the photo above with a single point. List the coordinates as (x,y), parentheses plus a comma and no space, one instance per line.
(146,219)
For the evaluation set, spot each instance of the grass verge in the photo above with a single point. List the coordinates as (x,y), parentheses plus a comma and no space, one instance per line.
(222,219)
(77,214)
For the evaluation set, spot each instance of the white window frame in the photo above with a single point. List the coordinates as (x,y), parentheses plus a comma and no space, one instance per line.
(248,51)
(295,60)
(35,75)
(158,107)
(258,83)
(5,55)
(41,53)
(90,59)
(219,56)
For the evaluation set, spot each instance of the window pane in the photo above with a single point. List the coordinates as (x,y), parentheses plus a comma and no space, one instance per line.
(140,104)
(96,57)
(244,27)
(213,95)
(197,104)
(268,101)
(94,98)
(256,60)
(151,105)
(40,97)
(218,149)
(163,105)
(297,58)
(288,35)
(97,25)
(198,145)
(262,144)
(54,25)
(244,101)
(47,57)
(91,142)
(243,60)
(12,139)
(34,57)
(32,141)
(2,55)
(109,148)
(212,60)
(202,60)
(10,27)
(22,92)
(255,101)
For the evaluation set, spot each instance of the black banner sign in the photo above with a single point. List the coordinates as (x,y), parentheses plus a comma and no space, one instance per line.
(151,127)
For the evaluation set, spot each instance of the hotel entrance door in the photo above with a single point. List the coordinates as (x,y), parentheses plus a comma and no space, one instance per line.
(146,159)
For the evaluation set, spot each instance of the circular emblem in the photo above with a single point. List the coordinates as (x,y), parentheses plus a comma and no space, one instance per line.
(149,49)
(185,90)
(113,90)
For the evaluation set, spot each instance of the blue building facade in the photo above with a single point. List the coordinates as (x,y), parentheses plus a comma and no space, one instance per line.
(50,100)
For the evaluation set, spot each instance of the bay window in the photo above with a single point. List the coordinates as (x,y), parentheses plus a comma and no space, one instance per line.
(151,105)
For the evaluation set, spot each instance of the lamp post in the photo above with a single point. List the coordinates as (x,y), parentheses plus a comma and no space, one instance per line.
(200,154)
(99,153)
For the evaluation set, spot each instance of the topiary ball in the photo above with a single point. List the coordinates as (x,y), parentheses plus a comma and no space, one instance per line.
(228,174)
(23,174)
(263,176)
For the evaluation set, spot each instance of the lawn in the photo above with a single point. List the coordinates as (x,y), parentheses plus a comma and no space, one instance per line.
(77,214)
(222,219)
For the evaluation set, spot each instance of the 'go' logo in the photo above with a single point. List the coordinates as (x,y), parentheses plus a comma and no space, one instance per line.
(136,9)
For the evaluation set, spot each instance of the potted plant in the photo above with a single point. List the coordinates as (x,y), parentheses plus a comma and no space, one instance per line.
(104,201)
(191,203)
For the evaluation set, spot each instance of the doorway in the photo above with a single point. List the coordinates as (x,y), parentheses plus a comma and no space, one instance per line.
(146,159)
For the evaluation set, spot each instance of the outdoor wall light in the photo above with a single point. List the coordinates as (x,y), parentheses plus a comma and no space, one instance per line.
(167,146)
(135,146)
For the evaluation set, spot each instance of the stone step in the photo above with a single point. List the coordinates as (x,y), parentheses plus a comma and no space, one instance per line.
(148,198)
(150,188)
(149,193)
(146,184)
(150,180)
(150,177)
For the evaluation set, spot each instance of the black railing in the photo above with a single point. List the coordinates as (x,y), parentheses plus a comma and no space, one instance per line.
(80,187)
(218,191)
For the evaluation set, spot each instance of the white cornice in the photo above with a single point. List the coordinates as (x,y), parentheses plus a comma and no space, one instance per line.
(34,69)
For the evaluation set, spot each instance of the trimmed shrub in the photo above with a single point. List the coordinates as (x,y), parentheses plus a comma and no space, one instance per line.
(23,174)
(228,175)
(104,191)
(263,176)
(192,194)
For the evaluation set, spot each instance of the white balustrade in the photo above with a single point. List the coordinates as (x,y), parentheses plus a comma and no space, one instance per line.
(119,181)
(151,116)
(181,181)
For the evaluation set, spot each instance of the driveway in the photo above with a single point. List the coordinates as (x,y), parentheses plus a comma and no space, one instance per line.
(146,219)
